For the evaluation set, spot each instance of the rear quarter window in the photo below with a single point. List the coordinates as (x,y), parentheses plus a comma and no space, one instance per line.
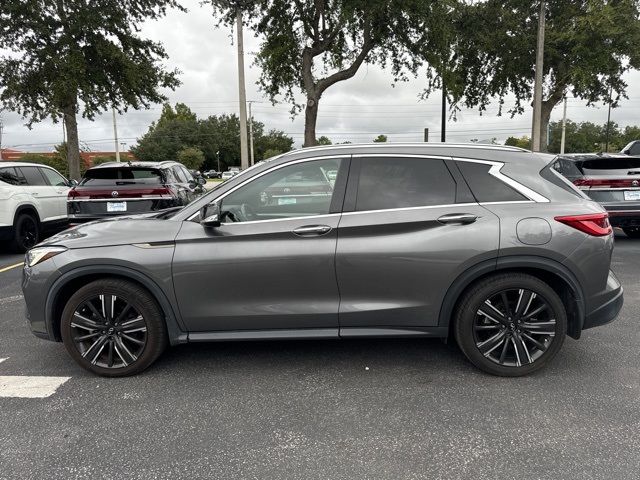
(484,186)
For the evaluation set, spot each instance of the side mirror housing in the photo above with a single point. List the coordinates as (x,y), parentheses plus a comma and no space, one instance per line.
(202,181)
(210,215)
(73,183)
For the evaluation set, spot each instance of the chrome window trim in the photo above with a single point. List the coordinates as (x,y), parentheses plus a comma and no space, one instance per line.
(327,215)
(423,207)
(517,186)
(277,167)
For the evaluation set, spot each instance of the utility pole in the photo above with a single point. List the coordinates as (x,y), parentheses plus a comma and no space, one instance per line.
(244,154)
(115,134)
(537,93)
(443,130)
(251,132)
(606,149)
(564,125)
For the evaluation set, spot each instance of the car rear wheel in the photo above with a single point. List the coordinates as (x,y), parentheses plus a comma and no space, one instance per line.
(510,324)
(113,328)
(26,233)
(632,232)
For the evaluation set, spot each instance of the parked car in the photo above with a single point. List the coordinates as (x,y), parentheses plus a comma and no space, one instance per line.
(32,202)
(632,148)
(489,245)
(212,174)
(613,180)
(116,188)
(228,174)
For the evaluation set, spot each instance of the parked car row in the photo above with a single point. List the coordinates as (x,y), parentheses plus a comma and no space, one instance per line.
(487,245)
(36,199)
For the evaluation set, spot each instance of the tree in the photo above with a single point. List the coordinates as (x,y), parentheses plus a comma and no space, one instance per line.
(323,141)
(380,139)
(313,44)
(589,44)
(191,158)
(522,142)
(75,55)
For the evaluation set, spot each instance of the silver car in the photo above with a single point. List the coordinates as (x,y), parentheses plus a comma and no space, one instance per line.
(488,245)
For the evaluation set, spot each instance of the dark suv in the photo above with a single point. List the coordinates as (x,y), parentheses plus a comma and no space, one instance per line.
(488,245)
(114,189)
(612,180)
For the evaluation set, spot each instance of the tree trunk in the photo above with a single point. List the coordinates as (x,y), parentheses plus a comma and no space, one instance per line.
(547,107)
(73,147)
(310,119)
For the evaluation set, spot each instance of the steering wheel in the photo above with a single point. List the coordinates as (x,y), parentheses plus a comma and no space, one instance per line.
(248,213)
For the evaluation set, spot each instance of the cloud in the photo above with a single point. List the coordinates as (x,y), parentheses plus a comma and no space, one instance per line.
(357,110)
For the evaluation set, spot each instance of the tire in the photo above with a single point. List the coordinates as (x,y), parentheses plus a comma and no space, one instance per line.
(113,328)
(510,324)
(632,232)
(26,233)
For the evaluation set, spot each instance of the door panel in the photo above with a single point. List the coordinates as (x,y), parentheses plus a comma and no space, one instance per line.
(394,267)
(257,275)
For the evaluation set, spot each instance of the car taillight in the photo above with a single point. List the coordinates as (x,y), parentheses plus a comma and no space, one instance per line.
(587,183)
(596,224)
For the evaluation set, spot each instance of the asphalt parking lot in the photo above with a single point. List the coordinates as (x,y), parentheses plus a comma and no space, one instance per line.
(365,409)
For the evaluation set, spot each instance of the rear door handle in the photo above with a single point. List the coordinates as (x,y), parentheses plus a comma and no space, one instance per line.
(463,218)
(312,230)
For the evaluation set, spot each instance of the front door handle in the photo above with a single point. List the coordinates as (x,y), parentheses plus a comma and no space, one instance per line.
(312,230)
(463,218)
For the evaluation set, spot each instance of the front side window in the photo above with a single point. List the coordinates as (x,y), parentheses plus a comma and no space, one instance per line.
(300,190)
(398,182)
(54,178)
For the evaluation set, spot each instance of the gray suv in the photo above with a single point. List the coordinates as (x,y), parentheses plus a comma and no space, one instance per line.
(488,245)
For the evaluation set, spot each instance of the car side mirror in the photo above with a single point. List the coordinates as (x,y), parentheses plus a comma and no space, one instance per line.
(210,215)
(202,181)
(73,183)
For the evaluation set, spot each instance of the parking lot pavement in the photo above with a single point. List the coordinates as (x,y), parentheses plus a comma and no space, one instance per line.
(395,409)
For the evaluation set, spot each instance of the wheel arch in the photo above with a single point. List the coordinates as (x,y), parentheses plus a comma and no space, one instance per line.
(66,285)
(553,273)
(27,208)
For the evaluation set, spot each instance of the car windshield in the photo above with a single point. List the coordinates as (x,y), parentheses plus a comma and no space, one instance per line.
(121,176)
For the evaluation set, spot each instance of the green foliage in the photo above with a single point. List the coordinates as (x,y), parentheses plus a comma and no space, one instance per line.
(191,158)
(522,142)
(217,137)
(56,162)
(312,45)
(380,139)
(100,159)
(585,137)
(323,141)
(272,153)
(589,45)
(78,54)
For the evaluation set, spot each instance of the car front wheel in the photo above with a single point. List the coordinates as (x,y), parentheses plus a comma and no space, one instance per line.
(510,324)
(113,328)
(26,233)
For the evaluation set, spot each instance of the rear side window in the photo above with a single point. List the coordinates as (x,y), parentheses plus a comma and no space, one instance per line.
(397,182)
(121,176)
(33,176)
(486,187)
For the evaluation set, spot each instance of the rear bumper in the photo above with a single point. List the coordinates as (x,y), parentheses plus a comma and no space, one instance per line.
(623,218)
(608,311)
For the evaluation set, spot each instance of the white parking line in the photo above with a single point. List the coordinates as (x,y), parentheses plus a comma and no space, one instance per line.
(30,387)
(2,360)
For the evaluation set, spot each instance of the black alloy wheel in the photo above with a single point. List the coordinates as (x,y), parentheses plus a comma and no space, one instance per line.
(511,324)
(632,232)
(113,328)
(26,233)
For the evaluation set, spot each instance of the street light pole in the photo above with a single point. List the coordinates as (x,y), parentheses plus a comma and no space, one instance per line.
(115,134)
(537,92)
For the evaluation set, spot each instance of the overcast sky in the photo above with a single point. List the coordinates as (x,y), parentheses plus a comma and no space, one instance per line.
(357,110)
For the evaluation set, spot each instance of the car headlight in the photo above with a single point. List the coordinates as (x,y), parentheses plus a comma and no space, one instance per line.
(38,255)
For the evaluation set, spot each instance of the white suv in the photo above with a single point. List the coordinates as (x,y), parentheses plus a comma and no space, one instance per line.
(33,200)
